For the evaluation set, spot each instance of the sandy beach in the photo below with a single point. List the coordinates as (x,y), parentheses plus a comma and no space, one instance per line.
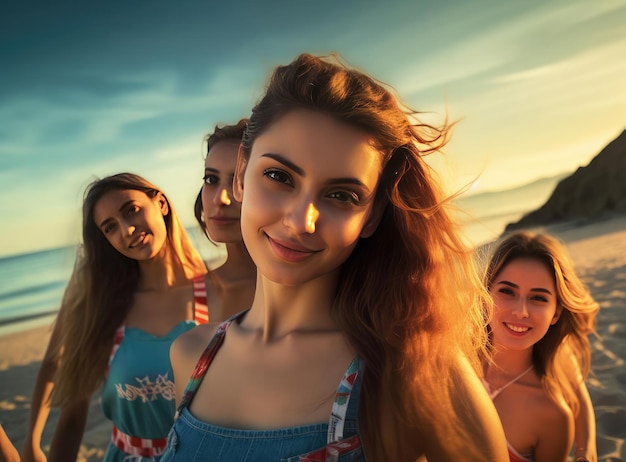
(598,251)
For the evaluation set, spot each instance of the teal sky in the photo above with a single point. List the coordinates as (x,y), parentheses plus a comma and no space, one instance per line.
(89,89)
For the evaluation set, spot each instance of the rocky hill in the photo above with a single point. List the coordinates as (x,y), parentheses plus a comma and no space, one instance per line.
(590,192)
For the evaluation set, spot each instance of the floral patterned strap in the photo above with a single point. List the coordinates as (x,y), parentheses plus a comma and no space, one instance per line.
(203,365)
(342,399)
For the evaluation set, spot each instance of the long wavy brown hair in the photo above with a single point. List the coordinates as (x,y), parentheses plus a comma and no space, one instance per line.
(562,358)
(223,133)
(409,297)
(100,292)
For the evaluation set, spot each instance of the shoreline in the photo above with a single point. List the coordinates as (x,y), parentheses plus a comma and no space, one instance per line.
(598,251)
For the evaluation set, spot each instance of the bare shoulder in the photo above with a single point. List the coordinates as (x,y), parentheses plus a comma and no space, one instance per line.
(555,430)
(551,413)
(192,341)
(185,353)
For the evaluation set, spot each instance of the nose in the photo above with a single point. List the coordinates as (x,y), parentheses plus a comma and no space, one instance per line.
(222,197)
(303,218)
(520,310)
(130,229)
(312,214)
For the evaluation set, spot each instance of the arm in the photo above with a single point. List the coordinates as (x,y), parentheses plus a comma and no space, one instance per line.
(585,428)
(555,435)
(69,431)
(44,385)
(40,402)
(8,453)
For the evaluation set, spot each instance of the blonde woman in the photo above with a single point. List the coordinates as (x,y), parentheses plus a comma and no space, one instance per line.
(540,350)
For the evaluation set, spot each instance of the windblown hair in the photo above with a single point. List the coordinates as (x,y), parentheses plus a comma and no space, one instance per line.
(224,133)
(101,289)
(409,297)
(562,358)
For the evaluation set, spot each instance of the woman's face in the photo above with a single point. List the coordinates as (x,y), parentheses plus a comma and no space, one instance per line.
(221,211)
(132,222)
(308,196)
(525,298)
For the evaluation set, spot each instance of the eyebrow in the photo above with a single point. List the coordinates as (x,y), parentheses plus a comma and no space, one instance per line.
(534,289)
(287,163)
(124,205)
(334,181)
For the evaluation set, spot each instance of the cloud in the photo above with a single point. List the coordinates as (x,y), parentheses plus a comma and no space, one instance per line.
(498,45)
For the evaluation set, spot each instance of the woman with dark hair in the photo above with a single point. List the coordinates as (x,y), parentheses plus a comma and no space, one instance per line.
(130,294)
(363,335)
(540,349)
(230,286)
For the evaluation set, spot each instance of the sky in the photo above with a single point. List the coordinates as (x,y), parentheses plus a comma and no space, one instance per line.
(89,89)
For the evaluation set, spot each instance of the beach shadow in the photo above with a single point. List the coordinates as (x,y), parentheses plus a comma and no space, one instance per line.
(607,383)
(15,395)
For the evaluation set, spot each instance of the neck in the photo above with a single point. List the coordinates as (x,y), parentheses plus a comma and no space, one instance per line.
(161,272)
(512,362)
(279,310)
(238,264)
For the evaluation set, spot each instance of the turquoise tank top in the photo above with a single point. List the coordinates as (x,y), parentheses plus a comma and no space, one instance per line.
(138,395)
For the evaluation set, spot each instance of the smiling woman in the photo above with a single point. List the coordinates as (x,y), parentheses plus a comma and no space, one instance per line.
(541,354)
(358,344)
(134,288)
(133,222)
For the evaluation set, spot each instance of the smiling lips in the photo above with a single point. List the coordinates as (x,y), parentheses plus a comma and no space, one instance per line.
(139,240)
(289,251)
(517,328)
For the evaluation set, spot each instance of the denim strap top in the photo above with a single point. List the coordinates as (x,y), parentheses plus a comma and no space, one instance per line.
(338,440)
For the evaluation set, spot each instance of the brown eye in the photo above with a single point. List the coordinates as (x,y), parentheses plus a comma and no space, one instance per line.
(278,176)
(345,196)
(211,180)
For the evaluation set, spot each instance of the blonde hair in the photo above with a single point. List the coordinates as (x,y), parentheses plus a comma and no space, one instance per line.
(100,291)
(562,358)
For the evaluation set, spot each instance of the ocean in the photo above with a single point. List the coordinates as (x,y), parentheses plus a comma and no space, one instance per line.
(32,284)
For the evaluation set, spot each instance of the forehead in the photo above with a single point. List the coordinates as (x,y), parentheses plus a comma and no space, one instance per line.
(527,272)
(313,139)
(223,155)
(111,201)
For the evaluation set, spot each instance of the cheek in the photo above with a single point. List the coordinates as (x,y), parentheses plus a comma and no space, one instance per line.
(500,306)
(349,233)
(114,241)
(157,223)
(206,198)
(255,210)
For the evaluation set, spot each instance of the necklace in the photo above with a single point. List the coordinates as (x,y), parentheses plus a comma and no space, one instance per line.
(497,391)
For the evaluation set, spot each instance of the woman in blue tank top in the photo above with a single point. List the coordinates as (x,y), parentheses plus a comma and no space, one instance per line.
(361,342)
(138,285)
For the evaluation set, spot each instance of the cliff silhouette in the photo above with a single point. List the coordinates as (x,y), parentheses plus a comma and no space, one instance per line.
(591,192)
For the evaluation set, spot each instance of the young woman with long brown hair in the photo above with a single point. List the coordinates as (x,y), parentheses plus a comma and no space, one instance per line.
(230,286)
(130,294)
(363,335)
(540,349)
